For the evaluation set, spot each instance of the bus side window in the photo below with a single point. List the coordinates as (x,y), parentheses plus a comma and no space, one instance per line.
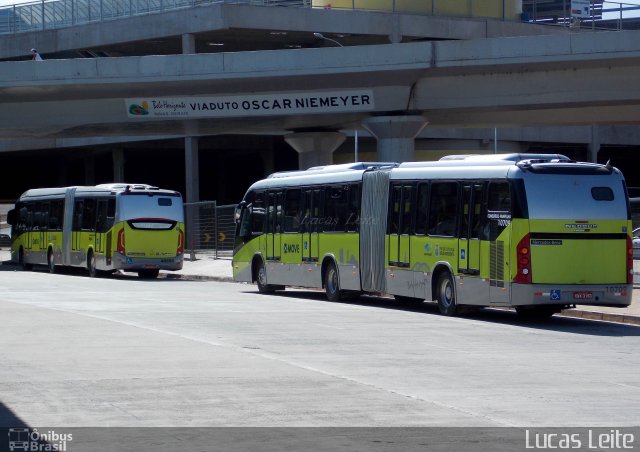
(336,208)
(498,208)
(258,214)
(56,215)
(353,220)
(89,215)
(293,210)
(77,215)
(421,208)
(103,220)
(40,216)
(443,208)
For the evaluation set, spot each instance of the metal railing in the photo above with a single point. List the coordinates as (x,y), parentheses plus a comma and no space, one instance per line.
(595,14)
(52,14)
(210,229)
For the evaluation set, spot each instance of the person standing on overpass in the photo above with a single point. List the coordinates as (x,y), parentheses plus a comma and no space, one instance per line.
(35,56)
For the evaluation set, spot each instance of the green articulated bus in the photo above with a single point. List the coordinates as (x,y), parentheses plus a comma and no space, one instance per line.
(536,232)
(109,227)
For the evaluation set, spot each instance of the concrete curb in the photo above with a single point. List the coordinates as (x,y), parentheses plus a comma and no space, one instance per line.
(604,316)
(197,277)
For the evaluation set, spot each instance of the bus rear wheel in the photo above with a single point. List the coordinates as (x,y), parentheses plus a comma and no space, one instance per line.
(446,295)
(148,273)
(51,263)
(332,283)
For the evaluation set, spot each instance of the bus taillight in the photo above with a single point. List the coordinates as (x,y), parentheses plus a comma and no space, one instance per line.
(180,241)
(120,248)
(523,257)
(629,260)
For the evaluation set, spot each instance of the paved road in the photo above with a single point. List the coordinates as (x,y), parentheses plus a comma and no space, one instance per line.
(125,352)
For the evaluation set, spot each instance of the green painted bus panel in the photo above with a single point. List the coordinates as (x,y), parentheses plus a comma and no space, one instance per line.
(160,243)
(570,252)
(344,246)
(427,251)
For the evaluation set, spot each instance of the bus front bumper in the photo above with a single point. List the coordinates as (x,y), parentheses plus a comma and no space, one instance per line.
(618,295)
(127,263)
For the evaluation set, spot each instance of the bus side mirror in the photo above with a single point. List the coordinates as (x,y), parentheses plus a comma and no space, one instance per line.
(11,217)
(237,214)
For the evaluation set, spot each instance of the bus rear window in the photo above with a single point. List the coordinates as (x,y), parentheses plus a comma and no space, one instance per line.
(166,202)
(602,193)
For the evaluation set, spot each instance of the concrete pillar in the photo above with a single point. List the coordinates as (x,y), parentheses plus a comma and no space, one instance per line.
(314,148)
(90,170)
(396,136)
(117,155)
(188,43)
(594,145)
(192,192)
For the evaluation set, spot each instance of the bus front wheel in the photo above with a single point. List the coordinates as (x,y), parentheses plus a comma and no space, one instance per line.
(51,263)
(91,264)
(261,279)
(22,263)
(446,295)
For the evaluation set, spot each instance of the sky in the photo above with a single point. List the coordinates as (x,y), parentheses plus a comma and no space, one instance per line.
(608,4)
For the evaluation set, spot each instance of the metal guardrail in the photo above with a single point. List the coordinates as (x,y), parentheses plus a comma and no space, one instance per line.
(210,229)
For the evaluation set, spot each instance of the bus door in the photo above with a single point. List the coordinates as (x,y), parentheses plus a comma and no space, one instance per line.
(310,223)
(400,281)
(68,224)
(101,225)
(76,233)
(274,221)
(469,242)
(400,225)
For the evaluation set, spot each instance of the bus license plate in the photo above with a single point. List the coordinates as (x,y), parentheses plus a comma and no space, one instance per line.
(582,295)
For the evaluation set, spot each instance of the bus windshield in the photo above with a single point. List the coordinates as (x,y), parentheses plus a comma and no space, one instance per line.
(562,196)
(146,206)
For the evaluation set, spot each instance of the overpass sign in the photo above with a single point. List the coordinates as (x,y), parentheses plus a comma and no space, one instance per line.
(251,105)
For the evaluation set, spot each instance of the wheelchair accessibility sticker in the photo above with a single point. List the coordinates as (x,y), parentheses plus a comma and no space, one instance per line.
(555,294)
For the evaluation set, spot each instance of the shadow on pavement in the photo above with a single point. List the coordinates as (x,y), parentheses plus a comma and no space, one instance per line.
(502,316)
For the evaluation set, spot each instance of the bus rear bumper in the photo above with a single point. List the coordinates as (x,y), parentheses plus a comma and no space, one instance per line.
(147,263)
(617,295)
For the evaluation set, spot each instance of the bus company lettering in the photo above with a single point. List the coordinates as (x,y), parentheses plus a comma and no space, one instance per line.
(291,248)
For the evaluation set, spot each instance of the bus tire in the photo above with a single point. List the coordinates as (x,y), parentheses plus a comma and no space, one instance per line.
(261,279)
(91,264)
(536,312)
(148,273)
(446,294)
(51,262)
(22,263)
(332,283)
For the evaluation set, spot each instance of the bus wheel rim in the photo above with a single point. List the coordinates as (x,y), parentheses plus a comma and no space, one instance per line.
(447,292)
(262,276)
(333,280)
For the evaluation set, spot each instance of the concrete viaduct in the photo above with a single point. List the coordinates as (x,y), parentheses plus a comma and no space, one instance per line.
(561,79)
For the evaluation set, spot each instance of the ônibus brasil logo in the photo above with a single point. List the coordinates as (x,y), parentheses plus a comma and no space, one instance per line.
(25,439)
(139,110)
